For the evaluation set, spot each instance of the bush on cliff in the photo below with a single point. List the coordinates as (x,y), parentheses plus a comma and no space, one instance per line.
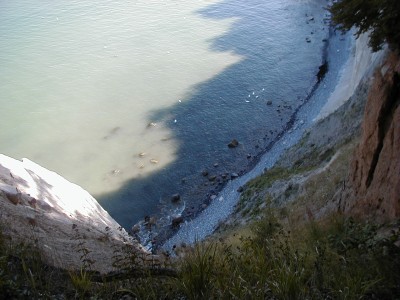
(380,18)
(335,259)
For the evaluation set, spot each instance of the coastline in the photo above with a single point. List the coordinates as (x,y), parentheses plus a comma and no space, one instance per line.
(153,233)
(233,104)
(360,63)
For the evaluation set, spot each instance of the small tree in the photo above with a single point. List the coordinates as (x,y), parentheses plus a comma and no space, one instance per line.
(380,17)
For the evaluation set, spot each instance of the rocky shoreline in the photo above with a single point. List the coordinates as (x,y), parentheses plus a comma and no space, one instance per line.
(362,53)
(217,181)
(217,177)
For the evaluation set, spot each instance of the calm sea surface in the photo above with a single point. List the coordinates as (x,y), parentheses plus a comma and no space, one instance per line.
(132,100)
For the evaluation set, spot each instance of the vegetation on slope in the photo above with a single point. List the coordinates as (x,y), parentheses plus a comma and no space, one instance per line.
(380,18)
(337,259)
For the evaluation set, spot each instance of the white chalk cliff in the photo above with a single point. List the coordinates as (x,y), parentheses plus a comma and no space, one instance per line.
(41,207)
(361,63)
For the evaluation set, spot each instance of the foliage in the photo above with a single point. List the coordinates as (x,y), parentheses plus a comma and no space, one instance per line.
(338,258)
(23,275)
(198,272)
(257,185)
(381,18)
(81,282)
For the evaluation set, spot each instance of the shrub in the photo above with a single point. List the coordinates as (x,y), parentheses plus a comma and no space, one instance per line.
(380,18)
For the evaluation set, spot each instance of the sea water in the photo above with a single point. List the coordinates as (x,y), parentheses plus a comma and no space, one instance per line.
(133,100)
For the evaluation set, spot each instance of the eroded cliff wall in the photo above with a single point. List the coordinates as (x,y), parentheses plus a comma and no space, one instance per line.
(373,187)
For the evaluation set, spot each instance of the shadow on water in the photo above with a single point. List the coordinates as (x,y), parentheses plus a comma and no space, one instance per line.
(234,104)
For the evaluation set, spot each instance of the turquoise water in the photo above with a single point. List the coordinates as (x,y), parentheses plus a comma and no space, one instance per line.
(80,79)
(133,99)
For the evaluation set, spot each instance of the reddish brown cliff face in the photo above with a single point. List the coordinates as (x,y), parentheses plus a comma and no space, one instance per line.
(374,181)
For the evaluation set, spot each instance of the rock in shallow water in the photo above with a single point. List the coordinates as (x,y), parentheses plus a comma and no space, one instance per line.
(233,144)
(135,229)
(212,177)
(175,198)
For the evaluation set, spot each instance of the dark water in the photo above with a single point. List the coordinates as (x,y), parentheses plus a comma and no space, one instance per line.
(278,65)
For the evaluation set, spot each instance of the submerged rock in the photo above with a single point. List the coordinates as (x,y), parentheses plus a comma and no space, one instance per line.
(233,144)
(112,132)
(175,198)
(135,229)
(151,124)
(212,177)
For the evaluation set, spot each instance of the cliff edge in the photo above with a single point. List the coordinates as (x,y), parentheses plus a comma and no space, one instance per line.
(373,187)
(60,218)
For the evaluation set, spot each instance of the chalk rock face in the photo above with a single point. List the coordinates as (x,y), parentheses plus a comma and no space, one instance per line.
(61,218)
(375,172)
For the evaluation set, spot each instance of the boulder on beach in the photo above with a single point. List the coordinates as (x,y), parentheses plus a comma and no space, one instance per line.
(322,71)
(234,175)
(177,221)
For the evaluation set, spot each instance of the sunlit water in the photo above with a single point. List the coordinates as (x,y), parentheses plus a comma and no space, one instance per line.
(133,99)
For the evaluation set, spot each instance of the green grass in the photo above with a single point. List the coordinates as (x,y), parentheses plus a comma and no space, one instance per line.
(23,274)
(339,258)
(258,185)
